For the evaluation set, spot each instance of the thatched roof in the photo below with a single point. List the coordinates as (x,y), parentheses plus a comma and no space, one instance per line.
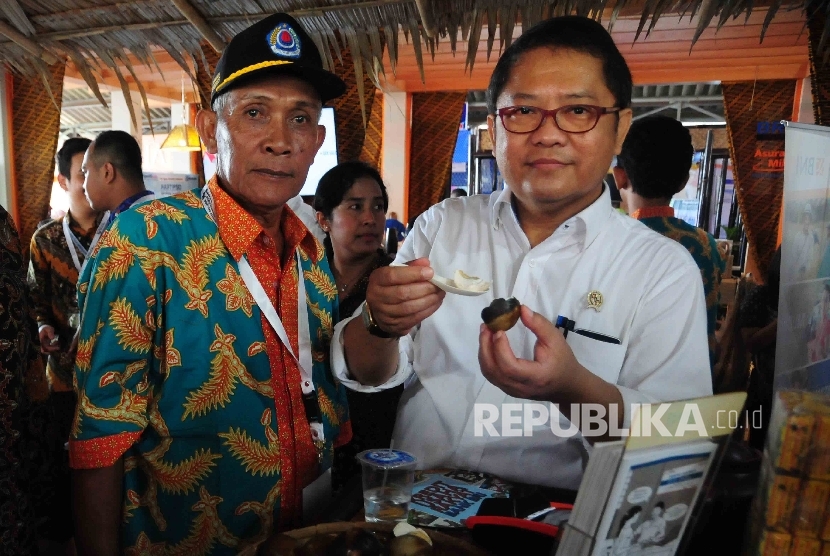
(98,34)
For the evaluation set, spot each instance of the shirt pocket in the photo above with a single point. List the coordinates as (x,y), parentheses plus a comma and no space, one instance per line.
(601,358)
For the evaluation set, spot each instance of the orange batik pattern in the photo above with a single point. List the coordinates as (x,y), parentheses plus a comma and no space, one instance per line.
(179,374)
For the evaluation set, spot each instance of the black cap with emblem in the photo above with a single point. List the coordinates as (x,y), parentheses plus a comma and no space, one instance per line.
(277,44)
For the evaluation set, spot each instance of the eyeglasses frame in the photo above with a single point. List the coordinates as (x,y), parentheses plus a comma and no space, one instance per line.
(601,111)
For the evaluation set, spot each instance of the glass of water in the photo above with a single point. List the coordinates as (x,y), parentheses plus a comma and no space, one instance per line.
(387,483)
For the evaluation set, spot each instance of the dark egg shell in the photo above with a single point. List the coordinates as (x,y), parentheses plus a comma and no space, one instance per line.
(501,314)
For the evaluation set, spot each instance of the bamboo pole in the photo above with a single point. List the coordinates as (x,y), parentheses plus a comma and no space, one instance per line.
(18,17)
(27,44)
(199,22)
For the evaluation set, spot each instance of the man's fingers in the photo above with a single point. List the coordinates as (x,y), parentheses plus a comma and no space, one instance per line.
(485,349)
(503,355)
(402,275)
(401,308)
(427,312)
(423,261)
(403,317)
(539,325)
(399,295)
(512,368)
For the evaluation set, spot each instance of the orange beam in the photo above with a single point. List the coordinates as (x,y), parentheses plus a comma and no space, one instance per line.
(643,74)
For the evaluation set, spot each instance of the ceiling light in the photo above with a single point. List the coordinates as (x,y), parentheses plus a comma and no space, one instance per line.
(183,137)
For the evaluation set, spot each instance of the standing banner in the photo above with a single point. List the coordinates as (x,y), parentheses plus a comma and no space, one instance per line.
(802,358)
(164,184)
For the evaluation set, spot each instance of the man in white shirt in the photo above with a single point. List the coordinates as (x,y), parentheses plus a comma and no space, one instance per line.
(559,102)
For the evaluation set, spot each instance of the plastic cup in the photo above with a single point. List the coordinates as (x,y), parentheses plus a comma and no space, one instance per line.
(387,484)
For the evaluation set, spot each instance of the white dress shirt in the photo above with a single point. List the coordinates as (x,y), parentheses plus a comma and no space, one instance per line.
(652,301)
(308,216)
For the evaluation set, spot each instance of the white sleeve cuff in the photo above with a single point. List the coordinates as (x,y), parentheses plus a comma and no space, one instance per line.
(341,370)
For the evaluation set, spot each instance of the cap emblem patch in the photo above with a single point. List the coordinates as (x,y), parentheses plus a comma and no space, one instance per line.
(284,41)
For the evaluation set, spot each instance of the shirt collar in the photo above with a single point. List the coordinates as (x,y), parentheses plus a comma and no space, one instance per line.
(239,229)
(127,203)
(653,212)
(76,227)
(586,225)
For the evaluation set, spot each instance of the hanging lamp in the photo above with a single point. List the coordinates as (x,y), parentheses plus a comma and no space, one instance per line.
(184,136)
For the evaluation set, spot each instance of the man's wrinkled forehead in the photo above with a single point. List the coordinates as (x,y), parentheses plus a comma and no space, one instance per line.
(270,87)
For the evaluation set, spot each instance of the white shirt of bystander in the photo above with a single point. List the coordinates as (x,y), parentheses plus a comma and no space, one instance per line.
(652,300)
(308,216)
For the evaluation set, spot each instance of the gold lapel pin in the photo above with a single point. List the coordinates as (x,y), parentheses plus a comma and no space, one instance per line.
(595,300)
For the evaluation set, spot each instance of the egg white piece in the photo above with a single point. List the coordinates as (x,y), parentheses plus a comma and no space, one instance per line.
(470,283)
(404,528)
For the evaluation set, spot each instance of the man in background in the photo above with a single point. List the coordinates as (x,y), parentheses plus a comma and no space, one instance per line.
(395,224)
(58,251)
(112,171)
(652,167)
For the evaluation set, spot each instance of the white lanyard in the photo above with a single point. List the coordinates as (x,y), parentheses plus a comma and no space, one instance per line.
(264,303)
(267,308)
(75,244)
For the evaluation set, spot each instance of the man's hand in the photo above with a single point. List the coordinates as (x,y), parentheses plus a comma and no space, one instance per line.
(554,375)
(400,297)
(49,341)
(548,377)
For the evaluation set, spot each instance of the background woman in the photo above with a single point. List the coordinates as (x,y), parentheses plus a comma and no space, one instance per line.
(351,204)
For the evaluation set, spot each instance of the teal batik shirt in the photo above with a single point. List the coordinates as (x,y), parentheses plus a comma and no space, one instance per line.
(704,251)
(178,373)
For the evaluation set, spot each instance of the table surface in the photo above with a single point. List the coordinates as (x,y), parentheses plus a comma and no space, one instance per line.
(347,505)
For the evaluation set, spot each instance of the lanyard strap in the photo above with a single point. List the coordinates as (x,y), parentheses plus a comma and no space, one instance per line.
(75,244)
(264,302)
(252,283)
(129,202)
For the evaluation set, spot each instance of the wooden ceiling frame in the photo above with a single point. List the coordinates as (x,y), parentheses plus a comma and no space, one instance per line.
(663,56)
(27,44)
(201,25)
(732,53)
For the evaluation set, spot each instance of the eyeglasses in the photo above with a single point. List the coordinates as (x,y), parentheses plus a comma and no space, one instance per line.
(573,118)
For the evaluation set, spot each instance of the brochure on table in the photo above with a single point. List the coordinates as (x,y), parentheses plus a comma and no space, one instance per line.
(638,495)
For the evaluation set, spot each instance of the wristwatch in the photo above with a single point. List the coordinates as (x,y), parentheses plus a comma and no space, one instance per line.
(371,325)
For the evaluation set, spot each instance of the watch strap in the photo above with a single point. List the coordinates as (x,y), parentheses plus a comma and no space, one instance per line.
(371,325)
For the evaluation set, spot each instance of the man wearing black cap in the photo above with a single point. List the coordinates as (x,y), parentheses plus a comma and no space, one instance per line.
(208,412)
